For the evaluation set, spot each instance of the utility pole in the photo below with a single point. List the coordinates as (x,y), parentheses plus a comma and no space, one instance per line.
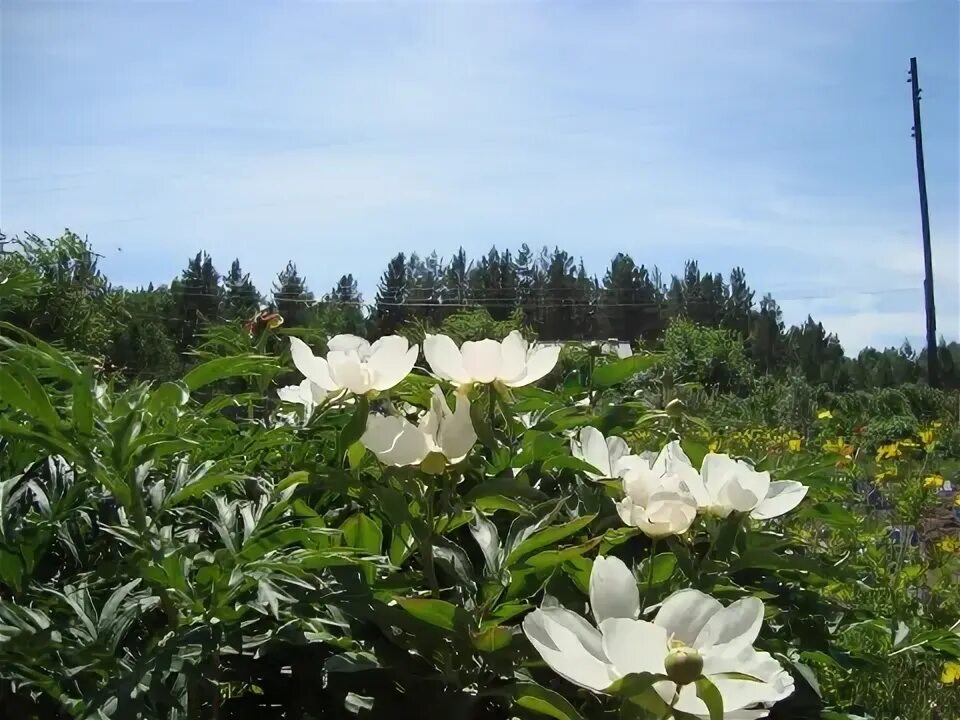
(933,362)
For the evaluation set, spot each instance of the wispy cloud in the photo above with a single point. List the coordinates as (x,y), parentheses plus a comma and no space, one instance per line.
(773,136)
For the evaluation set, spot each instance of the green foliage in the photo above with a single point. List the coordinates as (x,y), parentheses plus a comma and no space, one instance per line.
(178,550)
(711,357)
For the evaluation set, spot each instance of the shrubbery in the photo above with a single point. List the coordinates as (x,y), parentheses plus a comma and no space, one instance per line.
(458,543)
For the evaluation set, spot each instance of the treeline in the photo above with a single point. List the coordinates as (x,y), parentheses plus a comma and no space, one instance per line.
(150,332)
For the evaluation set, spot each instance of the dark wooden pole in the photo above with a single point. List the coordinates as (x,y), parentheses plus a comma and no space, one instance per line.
(933,362)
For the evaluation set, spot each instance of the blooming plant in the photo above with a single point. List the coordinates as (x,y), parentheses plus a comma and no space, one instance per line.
(430,541)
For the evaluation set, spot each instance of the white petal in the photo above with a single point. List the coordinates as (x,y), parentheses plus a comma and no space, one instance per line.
(670,513)
(617,449)
(613,590)
(670,458)
(290,394)
(312,367)
(684,614)
(594,449)
(482,360)
(564,650)
(634,646)
(639,484)
(347,343)
(626,463)
(457,435)
(348,371)
(540,361)
(445,359)
(732,629)
(394,440)
(391,362)
(782,497)
(310,389)
(513,351)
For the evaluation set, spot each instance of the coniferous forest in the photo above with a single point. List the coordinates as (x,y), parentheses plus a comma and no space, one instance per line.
(151,332)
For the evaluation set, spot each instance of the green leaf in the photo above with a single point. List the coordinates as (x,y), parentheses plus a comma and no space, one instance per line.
(362,532)
(355,454)
(619,370)
(492,638)
(481,425)
(664,565)
(27,394)
(696,451)
(635,686)
(226,367)
(538,699)
(711,697)
(201,486)
(438,613)
(548,536)
(83,402)
(354,428)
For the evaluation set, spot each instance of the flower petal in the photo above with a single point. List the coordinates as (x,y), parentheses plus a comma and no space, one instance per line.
(313,367)
(613,590)
(732,629)
(391,361)
(540,361)
(290,394)
(394,440)
(684,614)
(347,371)
(564,650)
(782,497)
(513,351)
(347,343)
(482,360)
(634,646)
(457,435)
(445,359)
(594,450)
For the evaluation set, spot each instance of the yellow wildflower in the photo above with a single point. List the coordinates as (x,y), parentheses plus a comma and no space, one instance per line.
(956,500)
(824,415)
(713,446)
(951,673)
(949,544)
(883,474)
(793,444)
(891,450)
(933,481)
(928,436)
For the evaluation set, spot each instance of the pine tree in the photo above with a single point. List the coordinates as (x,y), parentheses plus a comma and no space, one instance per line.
(767,344)
(389,312)
(736,313)
(198,298)
(291,297)
(241,298)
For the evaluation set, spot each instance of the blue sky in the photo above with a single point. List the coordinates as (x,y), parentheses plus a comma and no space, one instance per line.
(770,135)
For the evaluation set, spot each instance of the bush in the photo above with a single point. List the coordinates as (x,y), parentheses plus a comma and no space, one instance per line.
(203,549)
(711,357)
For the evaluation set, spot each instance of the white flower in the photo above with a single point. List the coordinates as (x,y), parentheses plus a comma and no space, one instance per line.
(396,441)
(610,456)
(354,364)
(307,393)
(658,504)
(725,485)
(511,362)
(722,636)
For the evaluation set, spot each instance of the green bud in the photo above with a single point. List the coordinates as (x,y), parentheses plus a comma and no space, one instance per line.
(675,408)
(683,665)
(434,464)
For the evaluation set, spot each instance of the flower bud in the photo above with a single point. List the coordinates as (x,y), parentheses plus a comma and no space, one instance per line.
(434,464)
(683,665)
(675,408)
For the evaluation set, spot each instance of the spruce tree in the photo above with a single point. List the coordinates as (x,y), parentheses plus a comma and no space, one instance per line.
(291,297)
(390,312)
(241,298)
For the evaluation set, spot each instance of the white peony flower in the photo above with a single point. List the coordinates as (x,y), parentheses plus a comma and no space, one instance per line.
(610,456)
(307,393)
(688,622)
(659,505)
(511,362)
(355,365)
(725,485)
(441,432)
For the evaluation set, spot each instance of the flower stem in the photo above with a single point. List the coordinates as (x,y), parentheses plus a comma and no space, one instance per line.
(426,542)
(649,584)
